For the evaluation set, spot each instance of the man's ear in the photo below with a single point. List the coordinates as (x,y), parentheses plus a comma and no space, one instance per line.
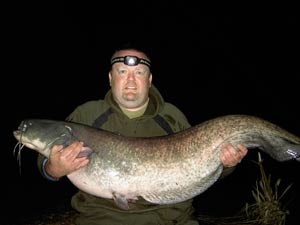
(109,77)
(150,79)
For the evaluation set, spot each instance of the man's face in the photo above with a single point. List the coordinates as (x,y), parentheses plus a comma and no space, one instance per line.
(130,84)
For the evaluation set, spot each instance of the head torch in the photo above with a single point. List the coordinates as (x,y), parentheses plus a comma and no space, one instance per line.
(131,61)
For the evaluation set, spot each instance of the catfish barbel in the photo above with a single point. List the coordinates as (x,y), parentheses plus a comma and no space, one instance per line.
(162,170)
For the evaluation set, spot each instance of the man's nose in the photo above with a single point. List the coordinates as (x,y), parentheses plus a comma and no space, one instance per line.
(131,75)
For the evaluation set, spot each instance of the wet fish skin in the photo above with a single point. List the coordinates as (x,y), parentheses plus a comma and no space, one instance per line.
(162,170)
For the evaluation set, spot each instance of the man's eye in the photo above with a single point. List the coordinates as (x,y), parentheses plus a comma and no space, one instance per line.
(139,72)
(122,71)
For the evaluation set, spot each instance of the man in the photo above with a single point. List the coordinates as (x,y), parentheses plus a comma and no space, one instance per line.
(133,107)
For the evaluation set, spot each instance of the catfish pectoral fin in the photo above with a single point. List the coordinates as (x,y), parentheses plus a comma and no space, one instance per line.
(86,151)
(121,201)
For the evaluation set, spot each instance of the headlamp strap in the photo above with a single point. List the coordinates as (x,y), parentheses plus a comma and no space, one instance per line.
(131,60)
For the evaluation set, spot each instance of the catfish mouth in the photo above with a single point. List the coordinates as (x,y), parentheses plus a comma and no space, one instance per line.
(22,141)
(17,134)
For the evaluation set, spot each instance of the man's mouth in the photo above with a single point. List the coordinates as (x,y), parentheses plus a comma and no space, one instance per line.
(131,89)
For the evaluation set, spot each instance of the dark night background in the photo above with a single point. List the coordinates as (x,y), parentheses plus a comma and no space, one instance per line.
(58,57)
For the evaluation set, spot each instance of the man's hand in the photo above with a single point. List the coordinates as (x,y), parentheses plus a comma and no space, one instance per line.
(63,161)
(231,156)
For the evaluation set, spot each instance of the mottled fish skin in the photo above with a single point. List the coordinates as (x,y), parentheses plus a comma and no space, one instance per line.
(162,170)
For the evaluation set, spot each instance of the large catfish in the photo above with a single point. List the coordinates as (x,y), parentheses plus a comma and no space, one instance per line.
(162,170)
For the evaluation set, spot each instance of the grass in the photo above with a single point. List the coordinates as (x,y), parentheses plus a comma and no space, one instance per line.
(267,208)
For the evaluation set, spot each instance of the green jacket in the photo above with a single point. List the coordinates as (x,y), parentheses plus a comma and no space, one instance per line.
(157,120)
(118,122)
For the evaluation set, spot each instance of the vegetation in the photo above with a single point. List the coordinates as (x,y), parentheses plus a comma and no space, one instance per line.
(267,208)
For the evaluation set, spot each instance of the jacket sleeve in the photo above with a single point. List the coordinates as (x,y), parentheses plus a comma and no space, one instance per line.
(227,171)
